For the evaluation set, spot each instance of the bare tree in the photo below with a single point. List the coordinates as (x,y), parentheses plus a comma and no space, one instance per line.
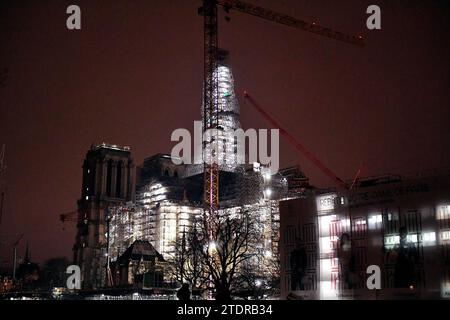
(223,253)
(224,243)
(258,277)
(186,264)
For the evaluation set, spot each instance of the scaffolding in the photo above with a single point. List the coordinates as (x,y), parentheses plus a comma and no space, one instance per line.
(222,144)
(156,219)
(162,212)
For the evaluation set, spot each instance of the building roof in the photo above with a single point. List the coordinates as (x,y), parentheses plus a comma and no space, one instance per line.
(110,146)
(140,249)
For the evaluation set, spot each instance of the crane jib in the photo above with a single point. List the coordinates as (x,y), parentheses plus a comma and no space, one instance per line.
(287,20)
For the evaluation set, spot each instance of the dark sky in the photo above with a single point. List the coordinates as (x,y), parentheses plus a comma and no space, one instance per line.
(133,74)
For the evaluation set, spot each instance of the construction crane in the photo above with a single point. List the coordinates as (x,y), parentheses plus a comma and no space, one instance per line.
(342,186)
(71,216)
(300,147)
(209,11)
(15,254)
(2,180)
(2,200)
(17,237)
(356,177)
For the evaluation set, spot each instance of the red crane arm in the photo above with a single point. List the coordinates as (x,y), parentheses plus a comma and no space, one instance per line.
(290,21)
(301,148)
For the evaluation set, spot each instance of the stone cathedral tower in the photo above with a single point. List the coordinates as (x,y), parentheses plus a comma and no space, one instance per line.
(107,182)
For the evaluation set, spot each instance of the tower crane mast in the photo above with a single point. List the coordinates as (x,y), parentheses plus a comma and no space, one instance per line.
(2,180)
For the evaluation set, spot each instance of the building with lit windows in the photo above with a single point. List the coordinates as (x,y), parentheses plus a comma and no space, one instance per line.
(399,223)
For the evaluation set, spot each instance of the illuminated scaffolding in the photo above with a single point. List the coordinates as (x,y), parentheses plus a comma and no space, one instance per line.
(156,219)
(223,142)
(160,216)
(126,224)
(163,213)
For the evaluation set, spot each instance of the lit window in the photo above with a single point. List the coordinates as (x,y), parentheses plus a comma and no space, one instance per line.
(327,244)
(345,223)
(429,237)
(391,240)
(378,218)
(445,235)
(375,221)
(443,212)
(412,238)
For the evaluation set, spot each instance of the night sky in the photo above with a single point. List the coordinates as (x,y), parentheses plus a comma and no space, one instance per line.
(133,74)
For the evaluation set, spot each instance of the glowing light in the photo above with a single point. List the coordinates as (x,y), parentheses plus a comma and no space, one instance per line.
(391,240)
(326,244)
(412,238)
(184,216)
(212,247)
(429,237)
(326,290)
(324,224)
(345,223)
(445,235)
(268,192)
(325,202)
(445,289)
(375,221)
(443,212)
